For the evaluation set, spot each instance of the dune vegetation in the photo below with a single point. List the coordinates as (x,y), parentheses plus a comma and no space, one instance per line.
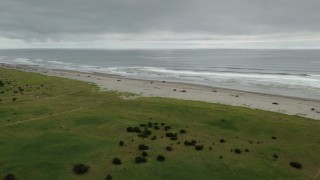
(55,128)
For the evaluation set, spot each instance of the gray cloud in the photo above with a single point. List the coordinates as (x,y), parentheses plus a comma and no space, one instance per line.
(63,20)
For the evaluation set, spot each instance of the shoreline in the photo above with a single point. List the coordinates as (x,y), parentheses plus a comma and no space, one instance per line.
(303,107)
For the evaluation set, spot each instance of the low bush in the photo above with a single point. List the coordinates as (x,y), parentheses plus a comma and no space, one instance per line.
(121,143)
(167,128)
(140,160)
(143,147)
(222,140)
(182,131)
(9,177)
(246,150)
(237,151)
(169,148)
(116,161)
(199,147)
(161,158)
(144,154)
(80,168)
(108,177)
(154,138)
(190,143)
(276,156)
(295,165)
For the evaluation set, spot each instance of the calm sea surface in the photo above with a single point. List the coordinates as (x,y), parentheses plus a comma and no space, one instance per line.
(283,72)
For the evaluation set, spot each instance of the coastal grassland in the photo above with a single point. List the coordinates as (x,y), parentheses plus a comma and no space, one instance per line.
(55,123)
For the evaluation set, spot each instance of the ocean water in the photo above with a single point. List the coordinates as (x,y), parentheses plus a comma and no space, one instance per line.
(283,72)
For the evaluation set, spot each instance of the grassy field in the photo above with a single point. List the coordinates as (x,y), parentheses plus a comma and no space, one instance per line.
(49,124)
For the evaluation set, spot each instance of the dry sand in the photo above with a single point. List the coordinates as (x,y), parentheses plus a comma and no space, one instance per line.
(286,105)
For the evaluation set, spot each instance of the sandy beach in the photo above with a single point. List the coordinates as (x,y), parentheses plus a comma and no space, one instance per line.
(287,105)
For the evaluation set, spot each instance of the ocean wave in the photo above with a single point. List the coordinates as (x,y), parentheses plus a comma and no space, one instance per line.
(23,61)
(58,62)
(276,79)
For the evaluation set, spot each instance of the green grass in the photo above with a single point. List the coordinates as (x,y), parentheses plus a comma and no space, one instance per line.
(56,123)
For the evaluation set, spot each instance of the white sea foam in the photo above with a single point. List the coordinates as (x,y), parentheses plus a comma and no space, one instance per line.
(58,63)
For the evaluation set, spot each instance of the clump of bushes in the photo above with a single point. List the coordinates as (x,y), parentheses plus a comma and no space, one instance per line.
(134,130)
(150,124)
(108,177)
(162,124)
(116,161)
(295,165)
(222,140)
(273,137)
(161,158)
(190,143)
(220,157)
(140,160)
(80,168)
(10,177)
(169,148)
(143,125)
(121,143)
(143,147)
(199,147)
(156,127)
(154,138)
(246,150)
(170,134)
(237,151)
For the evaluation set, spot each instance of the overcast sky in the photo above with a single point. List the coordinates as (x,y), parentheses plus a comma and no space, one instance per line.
(120,24)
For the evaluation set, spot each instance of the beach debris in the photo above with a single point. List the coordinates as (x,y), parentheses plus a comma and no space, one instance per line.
(313,109)
(118,80)
(183,91)
(295,165)
(116,161)
(275,103)
(139,160)
(161,158)
(163,81)
(80,168)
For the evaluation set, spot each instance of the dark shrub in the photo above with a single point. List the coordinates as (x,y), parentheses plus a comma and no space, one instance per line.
(174,138)
(156,127)
(116,161)
(199,147)
(162,124)
(144,154)
(108,177)
(143,147)
(222,141)
(129,129)
(170,134)
(273,137)
(169,148)
(246,150)
(137,130)
(167,128)
(182,131)
(154,138)
(210,148)
(121,143)
(143,125)
(146,132)
(276,156)
(220,157)
(140,160)
(238,151)
(190,143)
(150,124)
(80,168)
(9,177)
(296,165)
(142,135)
(14,99)
(155,124)
(161,158)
